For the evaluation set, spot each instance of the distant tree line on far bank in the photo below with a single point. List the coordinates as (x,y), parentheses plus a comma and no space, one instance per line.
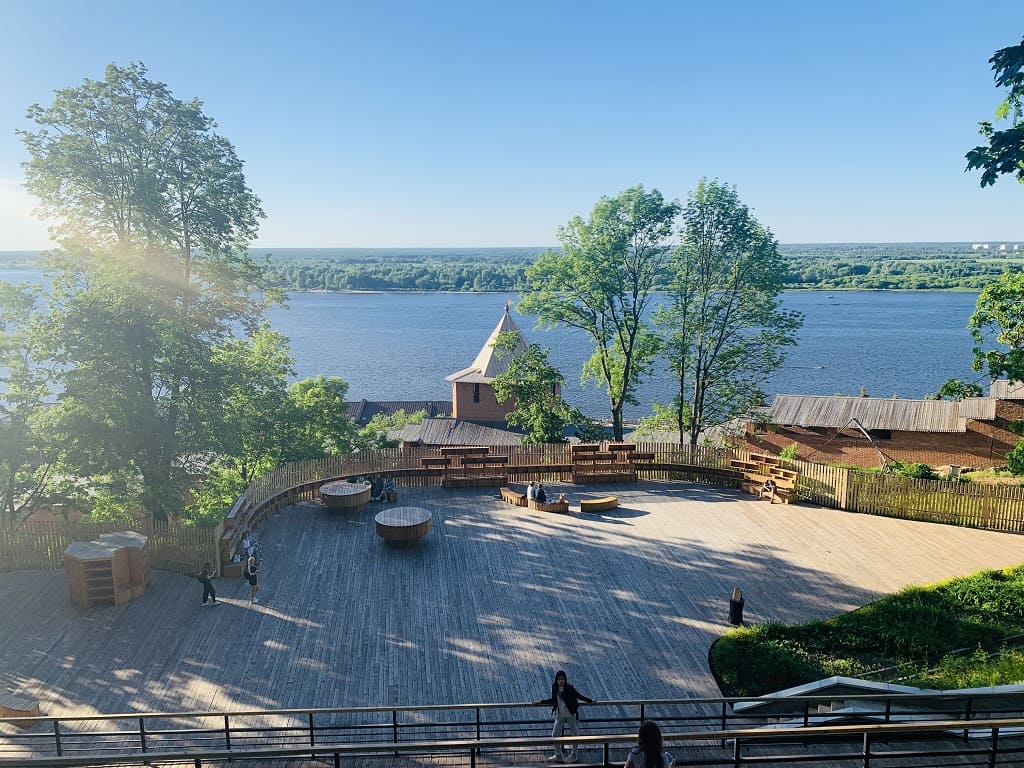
(898,266)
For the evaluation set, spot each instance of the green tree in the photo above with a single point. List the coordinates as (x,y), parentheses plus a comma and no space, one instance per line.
(27,379)
(954,389)
(723,330)
(322,426)
(1003,151)
(153,214)
(535,386)
(374,436)
(602,283)
(999,316)
(258,411)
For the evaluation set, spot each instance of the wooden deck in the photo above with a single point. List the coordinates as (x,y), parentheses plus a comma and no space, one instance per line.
(492,602)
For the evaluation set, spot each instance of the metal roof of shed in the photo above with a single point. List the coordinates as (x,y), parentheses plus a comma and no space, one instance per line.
(880,413)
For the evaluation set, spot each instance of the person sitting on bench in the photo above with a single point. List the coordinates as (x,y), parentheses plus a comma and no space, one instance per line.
(768,490)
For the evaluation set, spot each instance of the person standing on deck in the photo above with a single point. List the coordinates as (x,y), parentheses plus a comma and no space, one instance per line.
(565,706)
(204,578)
(252,576)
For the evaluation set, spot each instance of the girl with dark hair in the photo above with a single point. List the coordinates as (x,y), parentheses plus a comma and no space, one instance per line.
(565,705)
(649,751)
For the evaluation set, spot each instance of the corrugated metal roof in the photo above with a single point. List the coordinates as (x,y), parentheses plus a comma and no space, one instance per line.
(487,364)
(1006,390)
(879,413)
(454,432)
(980,408)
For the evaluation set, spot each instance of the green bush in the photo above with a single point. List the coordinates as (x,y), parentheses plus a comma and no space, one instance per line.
(790,451)
(1015,459)
(917,627)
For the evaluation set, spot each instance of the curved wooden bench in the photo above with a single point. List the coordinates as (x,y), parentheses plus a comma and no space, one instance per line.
(599,505)
(549,506)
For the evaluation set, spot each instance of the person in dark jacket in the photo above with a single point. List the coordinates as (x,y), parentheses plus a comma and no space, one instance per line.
(565,705)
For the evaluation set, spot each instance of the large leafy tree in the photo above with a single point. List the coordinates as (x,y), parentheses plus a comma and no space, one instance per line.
(602,282)
(153,214)
(723,329)
(535,387)
(1003,150)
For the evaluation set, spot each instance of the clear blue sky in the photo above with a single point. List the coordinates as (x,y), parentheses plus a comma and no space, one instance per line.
(492,123)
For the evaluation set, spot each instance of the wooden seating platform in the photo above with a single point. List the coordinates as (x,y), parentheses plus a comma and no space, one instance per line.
(513,497)
(599,505)
(12,705)
(759,469)
(608,464)
(477,470)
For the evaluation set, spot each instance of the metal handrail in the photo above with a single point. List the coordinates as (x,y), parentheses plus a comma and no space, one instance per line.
(866,735)
(60,736)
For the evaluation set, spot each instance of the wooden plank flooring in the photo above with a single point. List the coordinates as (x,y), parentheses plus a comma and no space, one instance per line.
(493,601)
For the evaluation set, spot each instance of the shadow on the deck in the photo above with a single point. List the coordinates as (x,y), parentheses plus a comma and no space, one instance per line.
(493,601)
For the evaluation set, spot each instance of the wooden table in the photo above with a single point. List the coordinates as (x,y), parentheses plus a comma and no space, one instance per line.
(345,496)
(403,526)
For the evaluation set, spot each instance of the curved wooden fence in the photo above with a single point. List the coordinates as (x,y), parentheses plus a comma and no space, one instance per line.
(182,549)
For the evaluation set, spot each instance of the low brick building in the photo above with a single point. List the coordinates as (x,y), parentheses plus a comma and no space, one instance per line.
(867,431)
(473,387)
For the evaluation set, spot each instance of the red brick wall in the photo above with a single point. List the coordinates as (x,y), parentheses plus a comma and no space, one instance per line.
(975,448)
(488,409)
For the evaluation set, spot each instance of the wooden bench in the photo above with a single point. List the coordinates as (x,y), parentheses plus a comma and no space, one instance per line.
(640,458)
(513,497)
(434,462)
(607,477)
(761,468)
(549,506)
(599,505)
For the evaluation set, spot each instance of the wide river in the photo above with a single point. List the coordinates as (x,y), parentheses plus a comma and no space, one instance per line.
(401,346)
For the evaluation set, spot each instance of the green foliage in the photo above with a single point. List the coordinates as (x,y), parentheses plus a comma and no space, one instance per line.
(722,329)
(26,376)
(114,508)
(1015,458)
(374,435)
(153,214)
(977,670)
(535,386)
(1003,152)
(602,282)
(954,389)
(918,626)
(214,496)
(663,419)
(790,451)
(915,470)
(997,315)
(320,422)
